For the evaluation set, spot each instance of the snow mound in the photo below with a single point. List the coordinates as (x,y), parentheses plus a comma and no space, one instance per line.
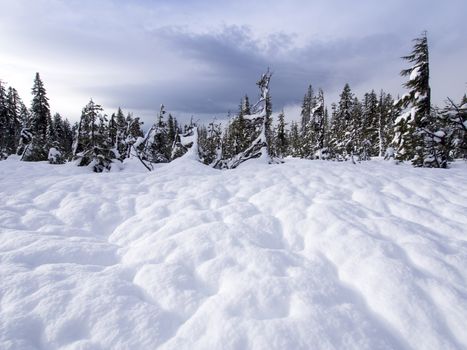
(301,255)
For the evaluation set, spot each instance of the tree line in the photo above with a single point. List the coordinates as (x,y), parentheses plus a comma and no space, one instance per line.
(408,129)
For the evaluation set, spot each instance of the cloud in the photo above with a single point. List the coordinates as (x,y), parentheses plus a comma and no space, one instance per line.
(201,57)
(225,65)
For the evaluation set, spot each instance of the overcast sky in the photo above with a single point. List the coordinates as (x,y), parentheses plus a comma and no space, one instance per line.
(200,57)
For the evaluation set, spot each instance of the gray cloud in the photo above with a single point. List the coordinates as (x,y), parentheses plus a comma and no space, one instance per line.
(200,57)
(225,66)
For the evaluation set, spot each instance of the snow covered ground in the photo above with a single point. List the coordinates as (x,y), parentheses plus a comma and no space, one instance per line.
(301,255)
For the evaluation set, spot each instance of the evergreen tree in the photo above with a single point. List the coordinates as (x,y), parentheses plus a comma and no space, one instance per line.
(14,120)
(308,105)
(295,144)
(67,140)
(453,136)
(56,140)
(246,106)
(384,122)
(319,127)
(171,126)
(210,143)
(369,133)
(155,147)
(4,123)
(260,122)
(414,128)
(281,140)
(342,128)
(40,119)
(93,146)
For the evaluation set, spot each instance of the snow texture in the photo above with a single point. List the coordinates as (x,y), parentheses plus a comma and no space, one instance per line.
(415,73)
(301,255)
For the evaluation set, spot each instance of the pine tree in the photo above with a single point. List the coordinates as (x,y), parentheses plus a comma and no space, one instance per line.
(259,121)
(93,146)
(453,136)
(40,119)
(307,107)
(369,138)
(295,143)
(319,126)
(281,140)
(156,147)
(387,113)
(4,123)
(307,127)
(342,126)
(56,140)
(414,129)
(210,143)
(171,126)
(67,139)
(14,120)
(355,143)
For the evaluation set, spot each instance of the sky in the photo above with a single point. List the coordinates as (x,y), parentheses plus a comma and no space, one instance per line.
(200,57)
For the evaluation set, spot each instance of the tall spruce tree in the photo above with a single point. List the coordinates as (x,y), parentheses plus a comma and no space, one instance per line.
(415,127)
(370,125)
(307,126)
(319,124)
(295,140)
(341,125)
(385,122)
(4,123)
(37,149)
(307,107)
(281,143)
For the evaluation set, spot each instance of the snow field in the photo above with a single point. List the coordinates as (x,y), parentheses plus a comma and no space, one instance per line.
(301,255)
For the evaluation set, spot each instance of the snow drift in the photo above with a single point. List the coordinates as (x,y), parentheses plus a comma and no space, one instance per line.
(301,255)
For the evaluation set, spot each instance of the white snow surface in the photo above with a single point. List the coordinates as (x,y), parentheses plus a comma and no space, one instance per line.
(300,255)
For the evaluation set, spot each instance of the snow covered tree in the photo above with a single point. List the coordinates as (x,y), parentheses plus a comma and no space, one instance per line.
(93,146)
(57,140)
(210,143)
(14,104)
(317,128)
(308,105)
(171,129)
(40,118)
(385,122)
(67,139)
(239,132)
(132,132)
(341,125)
(123,133)
(156,148)
(281,143)
(368,139)
(414,128)
(357,145)
(295,140)
(260,122)
(4,123)
(453,135)
(306,124)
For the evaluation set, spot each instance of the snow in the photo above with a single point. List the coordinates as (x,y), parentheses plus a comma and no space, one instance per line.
(415,73)
(300,255)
